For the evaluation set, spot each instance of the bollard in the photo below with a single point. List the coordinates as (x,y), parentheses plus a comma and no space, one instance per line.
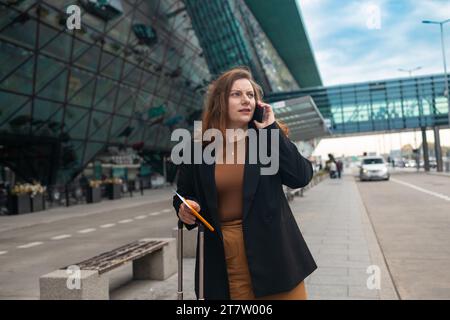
(67,195)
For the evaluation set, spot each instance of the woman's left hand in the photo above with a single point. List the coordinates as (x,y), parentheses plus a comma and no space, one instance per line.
(269,116)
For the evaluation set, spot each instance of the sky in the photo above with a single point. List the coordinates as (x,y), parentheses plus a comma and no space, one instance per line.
(351,44)
(365,40)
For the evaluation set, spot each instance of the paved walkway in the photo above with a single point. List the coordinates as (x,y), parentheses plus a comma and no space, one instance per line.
(335,224)
(336,227)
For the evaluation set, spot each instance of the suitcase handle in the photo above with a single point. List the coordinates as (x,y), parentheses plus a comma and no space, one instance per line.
(201,230)
(180,260)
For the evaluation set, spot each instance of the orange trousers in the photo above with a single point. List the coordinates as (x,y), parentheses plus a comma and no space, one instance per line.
(239,278)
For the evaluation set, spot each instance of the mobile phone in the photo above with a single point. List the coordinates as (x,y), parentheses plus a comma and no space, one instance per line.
(258,115)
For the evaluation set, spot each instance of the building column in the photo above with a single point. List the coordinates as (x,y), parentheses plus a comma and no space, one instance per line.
(437,148)
(426,158)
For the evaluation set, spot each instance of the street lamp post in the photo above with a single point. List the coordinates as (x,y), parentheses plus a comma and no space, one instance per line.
(441,24)
(446,92)
(410,71)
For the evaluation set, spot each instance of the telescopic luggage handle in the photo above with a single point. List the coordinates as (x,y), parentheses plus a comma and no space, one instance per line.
(180,260)
(201,230)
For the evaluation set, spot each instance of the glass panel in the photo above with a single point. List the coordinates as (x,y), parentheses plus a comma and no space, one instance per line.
(59,47)
(9,103)
(22,31)
(92,148)
(21,80)
(19,121)
(47,117)
(76,120)
(106,94)
(56,89)
(100,123)
(133,77)
(89,59)
(81,87)
(118,125)
(79,48)
(11,57)
(113,70)
(47,69)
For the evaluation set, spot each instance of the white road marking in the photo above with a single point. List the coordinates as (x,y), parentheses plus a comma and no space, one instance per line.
(125,221)
(87,230)
(166,210)
(3,252)
(438,195)
(140,217)
(155,213)
(63,236)
(108,225)
(29,245)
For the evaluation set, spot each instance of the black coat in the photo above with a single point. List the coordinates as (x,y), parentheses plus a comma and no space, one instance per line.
(277,254)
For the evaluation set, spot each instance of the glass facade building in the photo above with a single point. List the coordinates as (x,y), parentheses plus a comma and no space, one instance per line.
(388,105)
(66,94)
(136,70)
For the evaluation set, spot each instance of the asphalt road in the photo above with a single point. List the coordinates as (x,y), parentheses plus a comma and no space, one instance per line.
(411,217)
(29,252)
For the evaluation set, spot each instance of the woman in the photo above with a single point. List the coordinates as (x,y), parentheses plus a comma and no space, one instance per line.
(256,250)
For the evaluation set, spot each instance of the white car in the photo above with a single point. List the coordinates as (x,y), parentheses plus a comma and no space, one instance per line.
(373,168)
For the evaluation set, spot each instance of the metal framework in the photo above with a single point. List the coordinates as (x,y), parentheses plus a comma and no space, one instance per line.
(84,88)
(398,104)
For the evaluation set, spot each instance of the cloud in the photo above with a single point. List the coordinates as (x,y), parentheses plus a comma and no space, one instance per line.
(348,51)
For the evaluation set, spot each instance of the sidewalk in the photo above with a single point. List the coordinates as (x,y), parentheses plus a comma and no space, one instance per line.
(11,222)
(336,227)
(338,232)
(445,174)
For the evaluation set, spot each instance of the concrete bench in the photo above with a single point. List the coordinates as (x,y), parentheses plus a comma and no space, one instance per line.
(153,259)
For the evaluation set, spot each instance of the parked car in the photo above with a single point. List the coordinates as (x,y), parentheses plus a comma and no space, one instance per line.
(373,168)
(410,164)
(433,163)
